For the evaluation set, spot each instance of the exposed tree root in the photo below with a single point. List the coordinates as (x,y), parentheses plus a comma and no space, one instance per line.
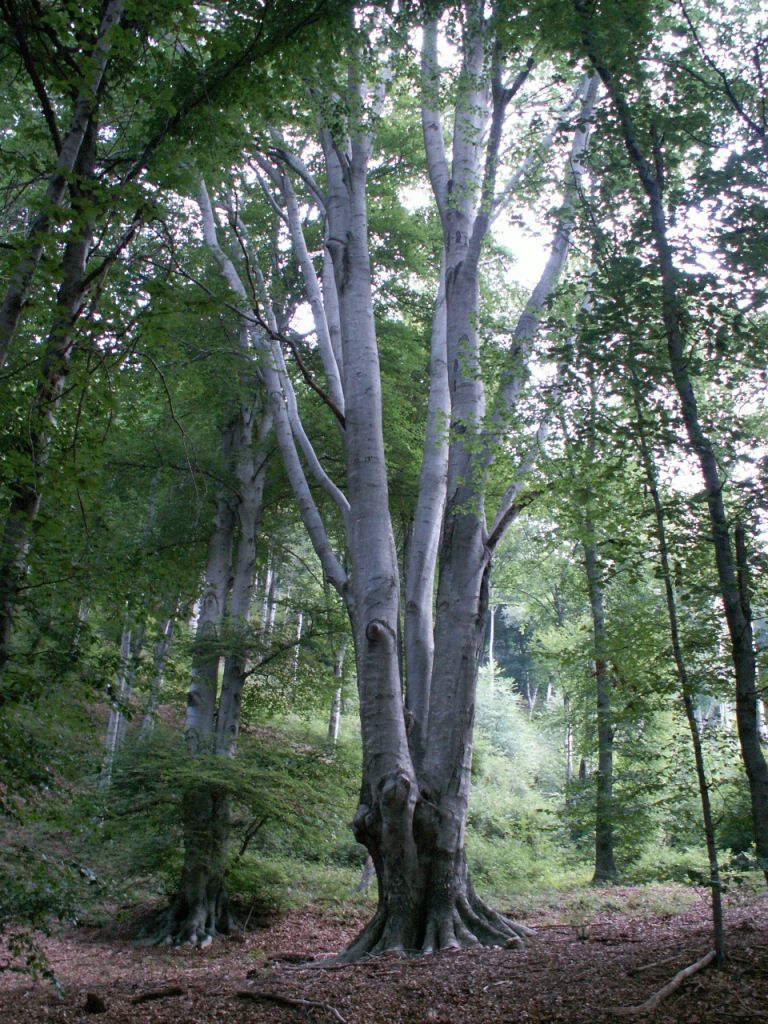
(467,923)
(182,925)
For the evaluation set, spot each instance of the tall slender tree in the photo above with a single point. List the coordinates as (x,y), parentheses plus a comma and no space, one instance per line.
(646,152)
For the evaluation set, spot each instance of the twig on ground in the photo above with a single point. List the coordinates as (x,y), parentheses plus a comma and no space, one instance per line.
(273,997)
(651,1004)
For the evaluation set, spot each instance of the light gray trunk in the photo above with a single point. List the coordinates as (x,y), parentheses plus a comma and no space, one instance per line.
(492,649)
(568,743)
(130,651)
(411,815)
(425,536)
(334,721)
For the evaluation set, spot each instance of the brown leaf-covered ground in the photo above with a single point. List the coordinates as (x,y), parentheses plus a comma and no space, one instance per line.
(591,955)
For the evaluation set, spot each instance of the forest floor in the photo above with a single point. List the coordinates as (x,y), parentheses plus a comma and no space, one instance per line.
(593,954)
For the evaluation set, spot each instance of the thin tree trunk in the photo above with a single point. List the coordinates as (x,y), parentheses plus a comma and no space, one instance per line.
(605,865)
(731,570)
(159,660)
(684,680)
(334,721)
(115,713)
(491,650)
(568,743)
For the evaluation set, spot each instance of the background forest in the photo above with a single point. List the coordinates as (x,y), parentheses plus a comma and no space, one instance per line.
(185,539)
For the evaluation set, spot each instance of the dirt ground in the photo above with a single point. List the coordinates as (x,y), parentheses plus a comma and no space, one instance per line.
(587,961)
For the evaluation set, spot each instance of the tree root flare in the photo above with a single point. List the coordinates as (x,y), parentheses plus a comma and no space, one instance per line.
(172,928)
(458,926)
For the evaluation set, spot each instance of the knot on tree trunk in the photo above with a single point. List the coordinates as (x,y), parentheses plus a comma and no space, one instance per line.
(395,789)
(378,631)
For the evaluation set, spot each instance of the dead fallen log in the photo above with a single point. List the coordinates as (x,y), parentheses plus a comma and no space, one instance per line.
(157,993)
(274,997)
(651,1004)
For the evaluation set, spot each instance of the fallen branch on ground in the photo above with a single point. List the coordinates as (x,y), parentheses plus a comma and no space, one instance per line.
(649,967)
(651,1004)
(273,997)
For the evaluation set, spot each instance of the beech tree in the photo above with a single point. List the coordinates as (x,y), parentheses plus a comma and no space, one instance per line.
(108,97)
(417,752)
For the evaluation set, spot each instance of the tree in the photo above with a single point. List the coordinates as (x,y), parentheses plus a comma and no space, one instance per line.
(730,554)
(108,163)
(416,760)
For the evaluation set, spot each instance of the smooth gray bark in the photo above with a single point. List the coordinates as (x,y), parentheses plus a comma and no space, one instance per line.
(425,536)
(115,712)
(413,800)
(334,721)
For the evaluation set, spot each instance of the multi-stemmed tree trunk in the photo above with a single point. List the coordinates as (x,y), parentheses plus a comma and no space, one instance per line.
(730,563)
(416,757)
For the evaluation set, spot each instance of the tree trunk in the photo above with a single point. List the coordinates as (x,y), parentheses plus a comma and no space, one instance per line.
(568,743)
(416,761)
(731,571)
(115,711)
(194,913)
(200,909)
(251,477)
(683,678)
(27,490)
(605,866)
(492,649)
(334,721)
(159,660)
